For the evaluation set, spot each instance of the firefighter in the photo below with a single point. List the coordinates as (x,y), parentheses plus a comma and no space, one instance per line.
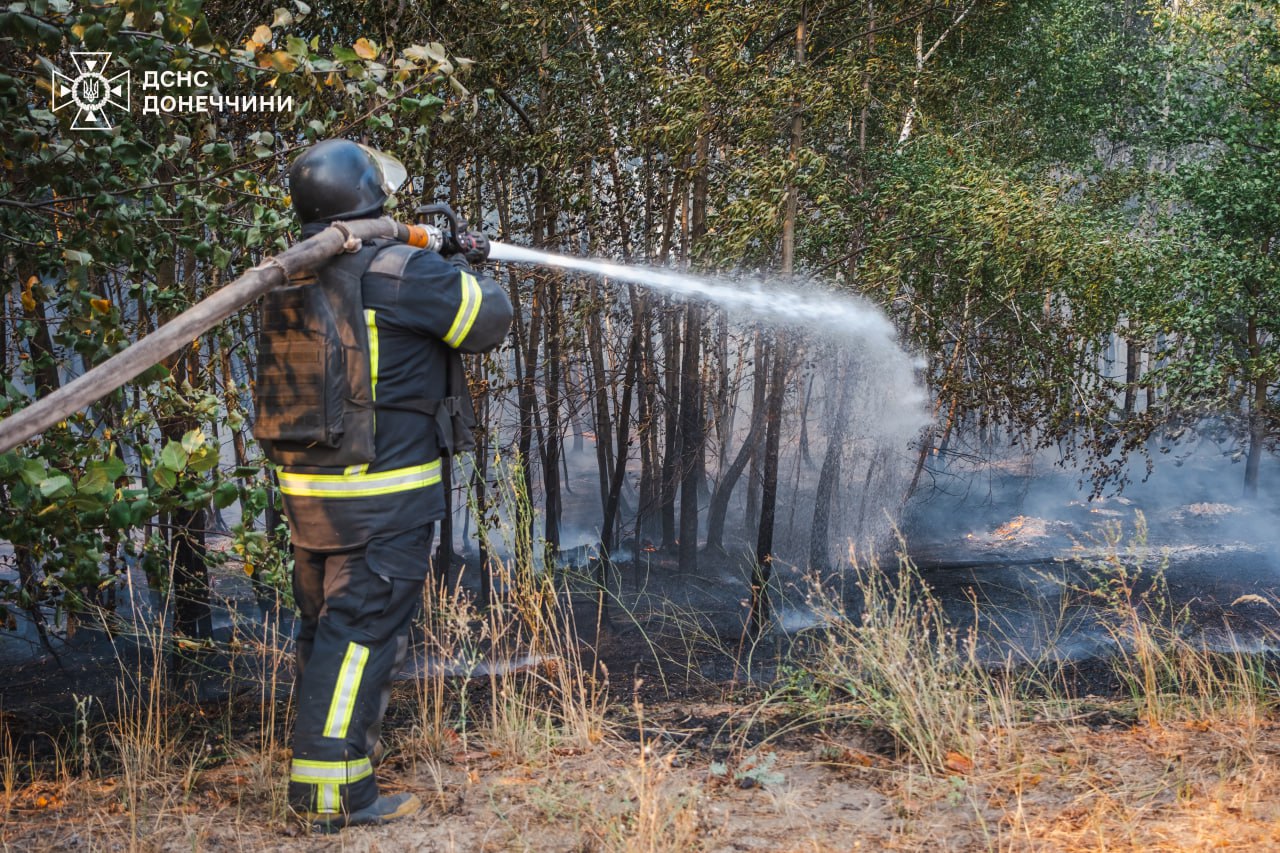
(360,400)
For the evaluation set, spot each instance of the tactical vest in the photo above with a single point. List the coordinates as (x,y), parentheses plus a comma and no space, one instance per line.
(313,395)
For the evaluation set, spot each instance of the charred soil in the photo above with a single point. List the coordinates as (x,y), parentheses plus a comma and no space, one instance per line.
(1108,695)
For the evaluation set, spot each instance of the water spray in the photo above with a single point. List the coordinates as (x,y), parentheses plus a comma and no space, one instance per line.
(888,373)
(812,310)
(836,315)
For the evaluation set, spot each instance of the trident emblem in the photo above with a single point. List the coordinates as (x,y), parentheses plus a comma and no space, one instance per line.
(91,91)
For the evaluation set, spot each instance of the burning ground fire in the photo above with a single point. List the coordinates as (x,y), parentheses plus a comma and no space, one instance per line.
(1019,530)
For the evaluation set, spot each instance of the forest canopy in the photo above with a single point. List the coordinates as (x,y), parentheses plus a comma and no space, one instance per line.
(1068,208)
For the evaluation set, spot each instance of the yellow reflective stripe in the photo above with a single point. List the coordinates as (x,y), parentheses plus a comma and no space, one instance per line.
(452,338)
(329,772)
(344,692)
(371,320)
(467,311)
(360,484)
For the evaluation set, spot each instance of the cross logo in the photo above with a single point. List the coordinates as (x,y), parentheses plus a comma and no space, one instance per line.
(91,91)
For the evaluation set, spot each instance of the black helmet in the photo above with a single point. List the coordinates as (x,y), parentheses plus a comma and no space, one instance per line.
(340,179)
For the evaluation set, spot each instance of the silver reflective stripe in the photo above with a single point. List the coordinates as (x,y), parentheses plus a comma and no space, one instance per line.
(326,798)
(330,772)
(357,484)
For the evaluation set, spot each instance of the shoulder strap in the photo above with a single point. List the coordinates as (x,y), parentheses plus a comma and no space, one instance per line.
(392,260)
(463,414)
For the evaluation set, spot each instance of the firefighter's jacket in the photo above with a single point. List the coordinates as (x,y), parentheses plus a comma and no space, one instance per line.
(416,306)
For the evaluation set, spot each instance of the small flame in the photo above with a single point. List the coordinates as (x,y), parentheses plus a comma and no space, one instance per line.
(1008,531)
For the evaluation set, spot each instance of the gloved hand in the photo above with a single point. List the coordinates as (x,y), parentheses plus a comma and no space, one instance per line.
(472,245)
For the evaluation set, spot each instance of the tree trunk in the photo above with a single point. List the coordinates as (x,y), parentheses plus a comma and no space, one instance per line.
(750,453)
(670,478)
(719,508)
(645,427)
(777,392)
(1131,365)
(759,392)
(820,532)
(1257,412)
(600,381)
(763,570)
(691,434)
(552,452)
(479,483)
(804,422)
(692,420)
(607,538)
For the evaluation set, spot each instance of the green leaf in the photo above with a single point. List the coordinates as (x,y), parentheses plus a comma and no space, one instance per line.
(120,515)
(193,440)
(56,486)
(141,510)
(165,478)
(33,471)
(94,36)
(225,495)
(85,502)
(205,459)
(94,481)
(114,466)
(100,475)
(173,457)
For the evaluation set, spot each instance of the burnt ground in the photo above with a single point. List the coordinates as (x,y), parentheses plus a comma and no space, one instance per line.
(1027,584)
(685,684)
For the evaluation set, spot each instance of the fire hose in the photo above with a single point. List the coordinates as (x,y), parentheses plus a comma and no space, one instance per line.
(272,273)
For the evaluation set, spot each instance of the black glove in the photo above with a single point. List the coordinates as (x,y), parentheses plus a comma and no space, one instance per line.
(472,245)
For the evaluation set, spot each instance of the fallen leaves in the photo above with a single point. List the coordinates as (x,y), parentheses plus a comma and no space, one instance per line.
(841,756)
(958,763)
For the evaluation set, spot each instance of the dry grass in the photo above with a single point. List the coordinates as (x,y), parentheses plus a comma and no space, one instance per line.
(886,732)
(901,668)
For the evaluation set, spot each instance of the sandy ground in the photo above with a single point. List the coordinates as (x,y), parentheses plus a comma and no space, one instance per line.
(686,779)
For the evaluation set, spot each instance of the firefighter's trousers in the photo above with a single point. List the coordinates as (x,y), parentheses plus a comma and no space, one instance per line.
(355,609)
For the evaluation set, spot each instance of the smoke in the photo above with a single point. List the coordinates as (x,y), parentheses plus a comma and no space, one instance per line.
(851,383)
(1193,496)
(1017,533)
